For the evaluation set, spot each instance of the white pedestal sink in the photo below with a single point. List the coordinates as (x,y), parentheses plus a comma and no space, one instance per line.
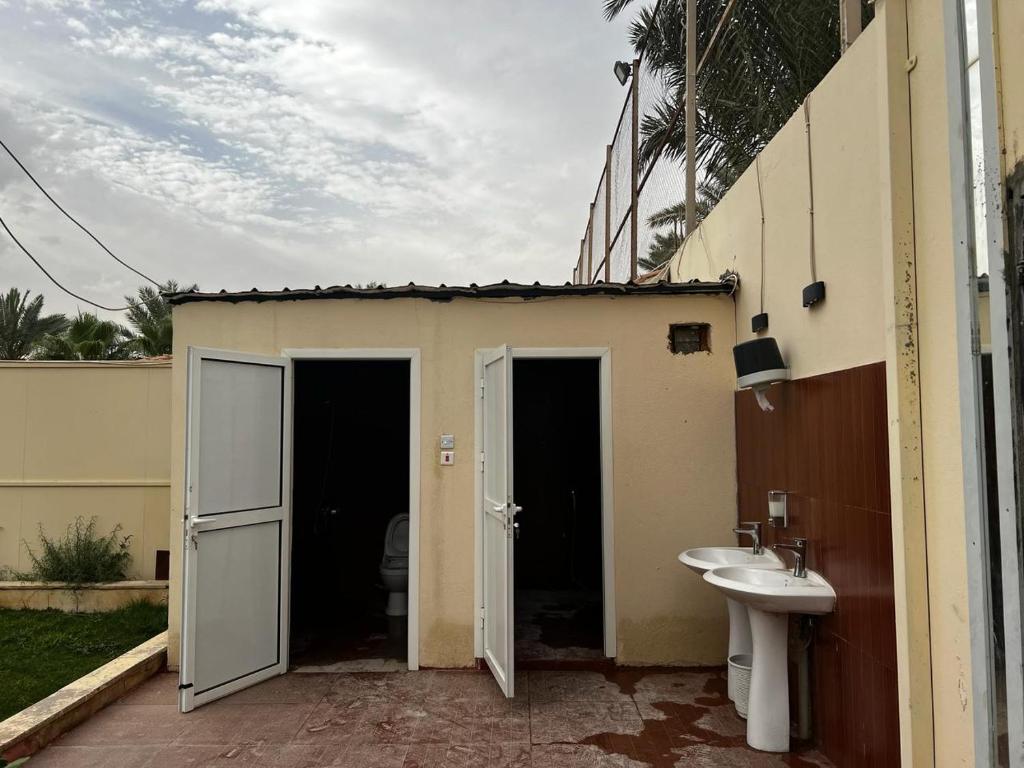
(770,595)
(703,559)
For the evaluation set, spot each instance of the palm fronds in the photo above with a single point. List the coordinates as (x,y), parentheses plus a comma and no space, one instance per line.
(23,324)
(768,57)
(149,315)
(87,337)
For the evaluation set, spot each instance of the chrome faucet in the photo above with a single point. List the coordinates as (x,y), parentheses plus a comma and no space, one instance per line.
(799,549)
(753,530)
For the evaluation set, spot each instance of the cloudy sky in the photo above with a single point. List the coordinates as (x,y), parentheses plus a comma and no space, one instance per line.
(240,143)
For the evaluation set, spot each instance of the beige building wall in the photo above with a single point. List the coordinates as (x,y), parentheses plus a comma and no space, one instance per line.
(880,148)
(90,439)
(1009,24)
(848,328)
(673,444)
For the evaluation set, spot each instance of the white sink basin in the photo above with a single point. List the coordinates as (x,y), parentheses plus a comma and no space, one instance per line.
(703,559)
(774,590)
(770,594)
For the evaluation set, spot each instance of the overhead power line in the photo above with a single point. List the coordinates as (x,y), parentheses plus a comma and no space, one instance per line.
(76,222)
(52,278)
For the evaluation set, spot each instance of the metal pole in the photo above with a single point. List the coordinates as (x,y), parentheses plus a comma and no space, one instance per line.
(849,23)
(590,247)
(634,175)
(579,264)
(608,213)
(691,115)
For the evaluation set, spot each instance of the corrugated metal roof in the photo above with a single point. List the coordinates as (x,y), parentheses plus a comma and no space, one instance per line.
(502,290)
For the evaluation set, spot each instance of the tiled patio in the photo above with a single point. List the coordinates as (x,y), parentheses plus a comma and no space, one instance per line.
(428,719)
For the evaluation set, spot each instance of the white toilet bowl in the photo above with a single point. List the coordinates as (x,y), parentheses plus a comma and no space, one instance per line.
(394,566)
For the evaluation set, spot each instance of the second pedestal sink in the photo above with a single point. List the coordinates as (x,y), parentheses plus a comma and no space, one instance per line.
(770,595)
(703,559)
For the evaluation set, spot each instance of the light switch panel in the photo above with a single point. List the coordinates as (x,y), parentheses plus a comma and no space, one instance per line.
(447,442)
(447,458)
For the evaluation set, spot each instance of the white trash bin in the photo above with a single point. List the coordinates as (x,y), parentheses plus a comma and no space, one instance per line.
(739,681)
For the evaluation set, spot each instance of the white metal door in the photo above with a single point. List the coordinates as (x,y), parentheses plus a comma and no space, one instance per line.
(498,516)
(237,524)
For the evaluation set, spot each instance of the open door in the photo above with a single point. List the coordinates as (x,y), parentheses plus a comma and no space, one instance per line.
(498,516)
(237,524)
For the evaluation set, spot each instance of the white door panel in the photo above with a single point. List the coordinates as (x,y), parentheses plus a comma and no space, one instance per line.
(239,447)
(237,618)
(237,524)
(498,517)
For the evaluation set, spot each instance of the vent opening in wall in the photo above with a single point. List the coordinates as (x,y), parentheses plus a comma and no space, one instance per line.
(687,338)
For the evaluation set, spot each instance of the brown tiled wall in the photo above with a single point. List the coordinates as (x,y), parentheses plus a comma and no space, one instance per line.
(826,444)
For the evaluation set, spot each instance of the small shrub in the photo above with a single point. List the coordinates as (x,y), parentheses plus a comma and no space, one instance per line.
(9,574)
(81,556)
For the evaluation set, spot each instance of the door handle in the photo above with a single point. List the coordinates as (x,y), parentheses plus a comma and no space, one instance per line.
(196,523)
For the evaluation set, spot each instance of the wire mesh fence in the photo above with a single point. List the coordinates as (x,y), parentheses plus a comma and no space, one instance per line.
(598,229)
(640,198)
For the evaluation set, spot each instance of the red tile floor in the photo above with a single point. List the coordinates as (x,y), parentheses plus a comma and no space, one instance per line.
(428,719)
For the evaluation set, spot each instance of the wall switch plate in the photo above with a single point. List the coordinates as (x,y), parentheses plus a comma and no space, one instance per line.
(447,442)
(447,458)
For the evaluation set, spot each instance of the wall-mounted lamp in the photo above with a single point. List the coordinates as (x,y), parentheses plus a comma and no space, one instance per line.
(813,293)
(622,71)
(759,364)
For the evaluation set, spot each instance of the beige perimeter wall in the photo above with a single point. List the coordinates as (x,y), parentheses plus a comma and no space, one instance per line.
(673,426)
(848,328)
(87,439)
(880,149)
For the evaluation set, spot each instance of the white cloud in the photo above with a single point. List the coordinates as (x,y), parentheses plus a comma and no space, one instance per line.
(311,142)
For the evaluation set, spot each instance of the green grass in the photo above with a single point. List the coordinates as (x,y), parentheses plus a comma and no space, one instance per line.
(42,651)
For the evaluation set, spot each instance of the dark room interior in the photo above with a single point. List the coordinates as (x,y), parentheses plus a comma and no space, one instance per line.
(350,478)
(557,481)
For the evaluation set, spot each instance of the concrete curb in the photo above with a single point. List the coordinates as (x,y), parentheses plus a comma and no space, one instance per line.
(36,726)
(88,598)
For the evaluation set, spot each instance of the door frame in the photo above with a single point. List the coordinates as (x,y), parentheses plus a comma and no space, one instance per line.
(412,355)
(603,355)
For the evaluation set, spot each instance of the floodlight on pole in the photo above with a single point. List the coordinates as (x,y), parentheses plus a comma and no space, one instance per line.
(622,71)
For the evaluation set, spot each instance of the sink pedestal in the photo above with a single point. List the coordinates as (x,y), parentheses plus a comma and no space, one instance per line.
(768,708)
(739,634)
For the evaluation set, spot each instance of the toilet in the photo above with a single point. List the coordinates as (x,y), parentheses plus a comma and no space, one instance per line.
(394,566)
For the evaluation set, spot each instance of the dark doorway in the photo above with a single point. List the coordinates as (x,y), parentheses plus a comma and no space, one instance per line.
(557,480)
(350,479)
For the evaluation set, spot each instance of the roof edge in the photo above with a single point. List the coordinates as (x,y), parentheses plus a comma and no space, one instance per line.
(502,290)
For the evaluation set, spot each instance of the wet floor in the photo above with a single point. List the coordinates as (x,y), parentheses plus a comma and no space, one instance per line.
(429,719)
(558,625)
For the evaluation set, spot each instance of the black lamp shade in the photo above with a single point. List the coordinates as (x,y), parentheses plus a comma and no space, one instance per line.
(759,361)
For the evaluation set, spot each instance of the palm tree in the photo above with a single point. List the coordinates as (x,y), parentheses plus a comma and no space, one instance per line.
(768,57)
(149,315)
(87,337)
(664,245)
(23,324)
(662,248)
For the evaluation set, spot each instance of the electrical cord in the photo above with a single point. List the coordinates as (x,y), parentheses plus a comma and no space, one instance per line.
(760,199)
(75,221)
(810,186)
(51,277)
